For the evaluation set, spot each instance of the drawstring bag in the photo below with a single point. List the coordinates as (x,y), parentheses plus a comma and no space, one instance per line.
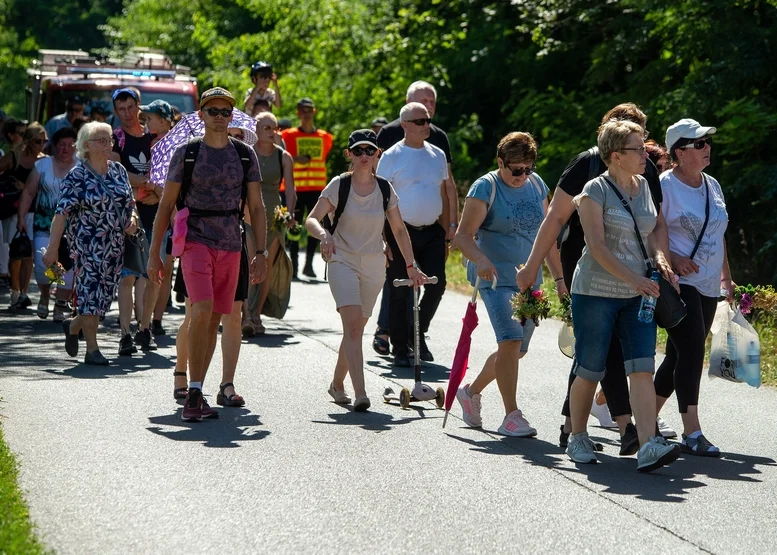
(736,350)
(180,229)
(278,297)
(20,247)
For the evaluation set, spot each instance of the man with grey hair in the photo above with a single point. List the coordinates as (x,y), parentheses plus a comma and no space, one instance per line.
(418,171)
(392,133)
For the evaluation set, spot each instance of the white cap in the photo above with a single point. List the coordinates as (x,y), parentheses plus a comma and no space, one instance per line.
(566,340)
(686,129)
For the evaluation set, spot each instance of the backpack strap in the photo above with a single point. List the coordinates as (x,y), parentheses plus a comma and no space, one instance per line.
(706,218)
(342,199)
(385,190)
(189,158)
(244,151)
(534,180)
(594,163)
(491,179)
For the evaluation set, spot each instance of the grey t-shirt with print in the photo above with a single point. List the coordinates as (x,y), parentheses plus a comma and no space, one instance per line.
(590,277)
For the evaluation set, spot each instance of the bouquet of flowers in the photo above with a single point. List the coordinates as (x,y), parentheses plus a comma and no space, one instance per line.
(283,219)
(751,298)
(55,273)
(530,304)
(566,309)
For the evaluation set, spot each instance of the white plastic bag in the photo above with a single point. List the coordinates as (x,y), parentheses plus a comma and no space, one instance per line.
(736,350)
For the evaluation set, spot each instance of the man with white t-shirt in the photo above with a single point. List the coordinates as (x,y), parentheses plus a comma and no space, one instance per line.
(418,171)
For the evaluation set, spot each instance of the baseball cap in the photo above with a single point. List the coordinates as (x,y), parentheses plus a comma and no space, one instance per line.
(260,66)
(130,92)
(160,108)
(284,123)
(216,93)
(75,99)
(379,121)
(362,137)
(686,129)
(305,102)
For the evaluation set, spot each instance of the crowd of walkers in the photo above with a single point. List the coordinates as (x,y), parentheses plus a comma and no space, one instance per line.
(622,208)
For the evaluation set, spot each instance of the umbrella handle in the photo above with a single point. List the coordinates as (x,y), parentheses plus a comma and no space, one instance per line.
(474,298)
(445,419)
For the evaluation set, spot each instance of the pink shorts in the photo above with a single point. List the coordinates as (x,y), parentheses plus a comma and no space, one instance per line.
(210,275)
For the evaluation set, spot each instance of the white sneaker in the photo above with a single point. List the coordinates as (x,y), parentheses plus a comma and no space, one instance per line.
(603,414)
(14,299)
(470,407)
(516,425)
(665,429)
(656,453)
(581,449)
(340,397)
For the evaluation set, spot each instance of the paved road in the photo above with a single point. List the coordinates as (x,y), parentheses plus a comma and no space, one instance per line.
(108,467)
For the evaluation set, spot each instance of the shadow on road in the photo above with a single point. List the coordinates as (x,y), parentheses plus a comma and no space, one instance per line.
(272,340)
(534,451)
(371,421)
(430,372)
(231,428)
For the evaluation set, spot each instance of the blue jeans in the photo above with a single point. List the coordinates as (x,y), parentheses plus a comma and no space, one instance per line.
(595,319)
(500,311)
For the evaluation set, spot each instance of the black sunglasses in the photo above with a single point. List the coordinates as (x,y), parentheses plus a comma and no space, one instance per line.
(698,144)
(359,150)
(224,112)
(518,173)
(421,121)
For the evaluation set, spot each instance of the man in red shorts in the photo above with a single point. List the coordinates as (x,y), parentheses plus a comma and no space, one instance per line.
(211,255)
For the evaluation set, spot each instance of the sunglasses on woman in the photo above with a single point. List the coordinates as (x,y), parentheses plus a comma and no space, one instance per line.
(519,172)
(359,150)
(223,112)
(698,144)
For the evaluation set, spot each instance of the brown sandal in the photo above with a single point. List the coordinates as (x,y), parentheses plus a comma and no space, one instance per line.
(180,392)
(225,400)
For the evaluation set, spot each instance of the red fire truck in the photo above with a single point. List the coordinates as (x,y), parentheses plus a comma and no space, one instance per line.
(61,74)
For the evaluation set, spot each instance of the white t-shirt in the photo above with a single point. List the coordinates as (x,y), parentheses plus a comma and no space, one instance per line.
(417,175)
(683,209)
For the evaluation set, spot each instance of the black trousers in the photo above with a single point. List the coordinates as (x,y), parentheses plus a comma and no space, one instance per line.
(306,200)
(684,362)
(429,251)
(614,383)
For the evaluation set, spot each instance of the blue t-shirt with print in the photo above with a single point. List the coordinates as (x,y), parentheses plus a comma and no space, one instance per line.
(507,234)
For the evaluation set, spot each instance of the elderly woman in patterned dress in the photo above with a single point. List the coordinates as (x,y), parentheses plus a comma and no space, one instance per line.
(97,205)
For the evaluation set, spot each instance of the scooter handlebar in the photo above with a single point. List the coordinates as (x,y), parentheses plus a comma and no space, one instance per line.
(409,282)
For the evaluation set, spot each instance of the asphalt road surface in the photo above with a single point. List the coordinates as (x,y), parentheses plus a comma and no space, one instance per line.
(107,465)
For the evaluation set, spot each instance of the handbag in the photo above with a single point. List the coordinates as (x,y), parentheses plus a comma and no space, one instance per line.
(136,251)
(670,307)
(20,247)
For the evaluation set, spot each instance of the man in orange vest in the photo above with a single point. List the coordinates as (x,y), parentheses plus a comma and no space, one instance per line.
(309,147)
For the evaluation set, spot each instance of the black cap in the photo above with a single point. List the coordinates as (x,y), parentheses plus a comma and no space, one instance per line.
(379,121)
(305,103)
(284,123)
(75,99)
(260,67)
(362,137)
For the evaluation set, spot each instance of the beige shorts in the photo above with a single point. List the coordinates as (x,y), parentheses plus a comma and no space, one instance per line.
(356,279)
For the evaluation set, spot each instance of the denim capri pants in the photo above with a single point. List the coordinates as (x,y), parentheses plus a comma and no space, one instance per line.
(500,311)
(595,319)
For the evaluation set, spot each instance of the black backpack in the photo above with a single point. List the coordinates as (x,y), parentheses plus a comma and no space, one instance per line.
(189,159)
(342,197)
(594,170)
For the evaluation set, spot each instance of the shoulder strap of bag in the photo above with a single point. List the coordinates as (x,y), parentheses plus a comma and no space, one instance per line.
(706,218)
(594,163)
(280,160)
(189,158)
(243,150)
(534,180)
(385,190)
(342,199)
(491,179)
(625,204)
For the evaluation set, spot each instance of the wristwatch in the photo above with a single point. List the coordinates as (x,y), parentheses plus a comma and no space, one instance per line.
(264,253)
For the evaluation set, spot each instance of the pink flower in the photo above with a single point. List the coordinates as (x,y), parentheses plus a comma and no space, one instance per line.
(536,293)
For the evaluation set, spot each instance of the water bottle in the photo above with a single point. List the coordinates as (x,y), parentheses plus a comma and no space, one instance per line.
(732,361)
(753,364)
(648,306)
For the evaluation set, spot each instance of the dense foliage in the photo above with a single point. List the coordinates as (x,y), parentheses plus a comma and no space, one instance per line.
(551,67)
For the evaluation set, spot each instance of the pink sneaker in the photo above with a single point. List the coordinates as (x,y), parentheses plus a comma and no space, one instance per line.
(516,425)
(470,407)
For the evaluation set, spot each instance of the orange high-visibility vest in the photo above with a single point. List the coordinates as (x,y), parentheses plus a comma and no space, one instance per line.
(310,176)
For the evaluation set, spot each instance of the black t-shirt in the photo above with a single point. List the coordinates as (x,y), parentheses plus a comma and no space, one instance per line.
(136,158)
(572,181)
(392,133)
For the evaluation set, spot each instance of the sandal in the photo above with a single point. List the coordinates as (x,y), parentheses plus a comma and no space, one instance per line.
(225,400)
(43,310)
(380,345)
(258,327)
(247,328)
(180,392)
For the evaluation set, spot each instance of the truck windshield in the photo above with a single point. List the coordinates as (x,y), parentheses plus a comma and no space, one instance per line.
(102,99)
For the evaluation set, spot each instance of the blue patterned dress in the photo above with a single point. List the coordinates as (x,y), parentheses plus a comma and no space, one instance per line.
(98,209)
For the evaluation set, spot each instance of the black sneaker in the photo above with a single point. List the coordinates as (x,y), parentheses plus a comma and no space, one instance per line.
(401,359)
(563,438)
(308,271)
(629,441)
(156,328)
(25,302)
(145,340)
(126,346)
(95,358)
(424,352)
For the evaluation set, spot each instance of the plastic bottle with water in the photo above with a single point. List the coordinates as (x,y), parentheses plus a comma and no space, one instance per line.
(648,306)
(752,366)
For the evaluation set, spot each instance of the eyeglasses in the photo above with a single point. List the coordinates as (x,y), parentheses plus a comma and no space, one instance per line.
(421,121)
(698,144)
(638,149)
(519,172)
(267,128)
(223,112)
(359,150)
(103,141)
